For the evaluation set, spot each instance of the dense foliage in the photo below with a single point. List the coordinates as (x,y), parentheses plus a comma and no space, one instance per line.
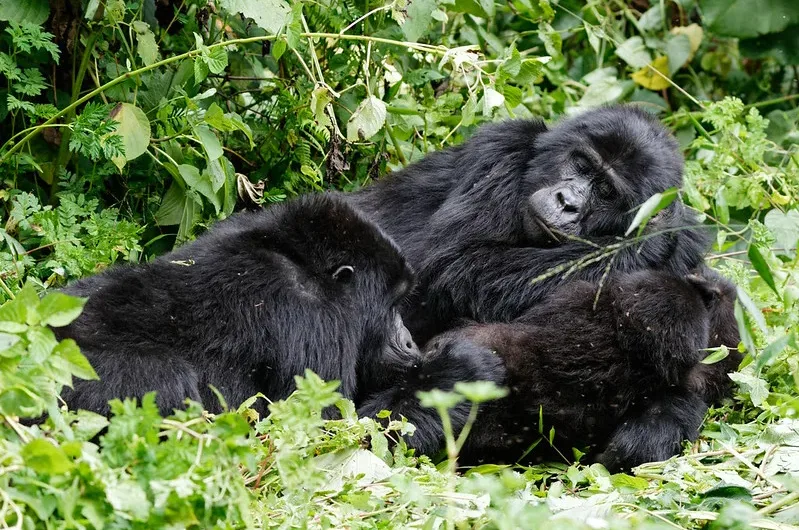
(129,127)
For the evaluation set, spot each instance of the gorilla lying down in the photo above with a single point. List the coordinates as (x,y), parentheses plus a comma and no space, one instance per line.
(623,379)
(309,284)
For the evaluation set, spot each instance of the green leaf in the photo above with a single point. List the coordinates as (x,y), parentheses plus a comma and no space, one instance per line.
(20,11)
(46,458)
(77,363)
(784,226)
(634,52)
(626,482)
(171,210)
(439,399)
(752,309)
(783,46)
(271,15)
(756,387)
(418,19)
(146,47)
(771,351)
(134,128)
(58,309)
(650,208)
(7,340)
(200,182)
(480,391)
(716,355)
(744,329)
(762,268)
(210,142)
(748,18)
(367,120)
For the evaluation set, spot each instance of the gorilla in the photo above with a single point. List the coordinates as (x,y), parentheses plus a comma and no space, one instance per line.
(492,226)
(613,368)
(259,298)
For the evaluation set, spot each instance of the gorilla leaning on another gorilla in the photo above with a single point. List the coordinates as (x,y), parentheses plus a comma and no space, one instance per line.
(260,298)
(493,226)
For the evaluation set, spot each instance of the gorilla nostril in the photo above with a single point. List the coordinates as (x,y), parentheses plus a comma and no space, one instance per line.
(409,345)
(561,198)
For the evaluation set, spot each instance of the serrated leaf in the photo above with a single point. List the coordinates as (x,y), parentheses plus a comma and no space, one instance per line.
(756,387)
(77,363)
(44,457)
(650,208)
(58,309)
(762,268)
(134,128)
(491,100)
(271,15)
(784,226)
(634,52)
(418,19)
(367,120)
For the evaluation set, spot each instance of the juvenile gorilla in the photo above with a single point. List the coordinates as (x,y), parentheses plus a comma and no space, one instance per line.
(255,301)
(622,379)
(480,222)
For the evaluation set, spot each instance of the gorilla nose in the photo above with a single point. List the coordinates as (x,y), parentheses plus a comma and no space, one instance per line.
(406,341)
(567,200)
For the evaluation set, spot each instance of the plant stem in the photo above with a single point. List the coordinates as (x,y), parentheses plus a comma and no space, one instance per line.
(439,50)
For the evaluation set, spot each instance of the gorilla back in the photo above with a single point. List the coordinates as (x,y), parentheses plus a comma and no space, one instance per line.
(480,222)
(258,299)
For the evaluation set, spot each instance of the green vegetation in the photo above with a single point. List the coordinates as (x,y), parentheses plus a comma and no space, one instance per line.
(129,127)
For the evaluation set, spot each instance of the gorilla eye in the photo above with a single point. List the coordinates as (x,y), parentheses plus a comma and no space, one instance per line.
(343,274)
(604,189)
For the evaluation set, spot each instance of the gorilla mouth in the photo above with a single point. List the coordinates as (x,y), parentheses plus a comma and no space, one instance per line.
(546,229)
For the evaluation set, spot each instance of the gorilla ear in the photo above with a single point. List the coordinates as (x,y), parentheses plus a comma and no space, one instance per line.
(343,274)
(708,289)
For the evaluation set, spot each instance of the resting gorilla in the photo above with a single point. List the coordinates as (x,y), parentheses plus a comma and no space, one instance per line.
(622,379)
(253,302)
(479,222)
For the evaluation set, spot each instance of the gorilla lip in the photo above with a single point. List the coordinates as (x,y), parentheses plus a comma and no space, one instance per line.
(546,228)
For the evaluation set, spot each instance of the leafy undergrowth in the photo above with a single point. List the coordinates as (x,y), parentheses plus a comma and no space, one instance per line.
(294,469)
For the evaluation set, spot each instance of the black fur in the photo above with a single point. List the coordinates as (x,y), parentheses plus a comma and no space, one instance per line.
(246,307)
(622,379)
(481,221)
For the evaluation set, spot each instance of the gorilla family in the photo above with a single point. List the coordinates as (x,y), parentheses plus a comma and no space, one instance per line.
(520,214)
(247,306)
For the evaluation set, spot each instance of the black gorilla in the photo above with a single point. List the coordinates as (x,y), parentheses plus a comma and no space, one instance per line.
(480,222)
(622,379)
(247,306)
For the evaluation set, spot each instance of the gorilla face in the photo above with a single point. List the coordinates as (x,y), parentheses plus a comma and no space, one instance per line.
(592,171)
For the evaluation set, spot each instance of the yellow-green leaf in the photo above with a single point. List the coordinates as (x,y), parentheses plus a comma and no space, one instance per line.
(650,76)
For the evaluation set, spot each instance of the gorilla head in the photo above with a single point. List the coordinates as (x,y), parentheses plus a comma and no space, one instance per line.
(595,169)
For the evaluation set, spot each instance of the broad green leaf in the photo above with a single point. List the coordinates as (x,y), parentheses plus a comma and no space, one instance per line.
(634,52)
(654,76)
(134,128)
(418,19)
(200,182)
(210,142)
(7,340)
(58,309)
(756,387)
(748,18)
(20,11)
(784,226)
(783,46)
(678,51)
(762,268)
(146,47)
(744,328)
(129,498)
(439,399)
(650,208)
(367,120)
(627,482)
(695,34)
(78,364)
(271,15)
(172,205)
(46,458)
